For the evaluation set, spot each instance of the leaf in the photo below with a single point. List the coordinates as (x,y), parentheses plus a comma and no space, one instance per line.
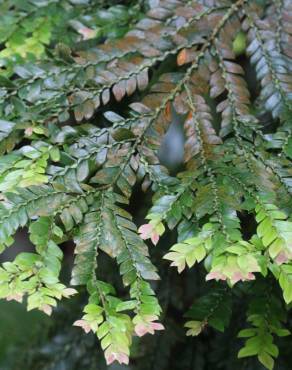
(247,352)
(122,134)
(125,306)
(266,360)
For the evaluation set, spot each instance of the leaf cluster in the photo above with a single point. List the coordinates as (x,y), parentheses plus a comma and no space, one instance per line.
(80,130)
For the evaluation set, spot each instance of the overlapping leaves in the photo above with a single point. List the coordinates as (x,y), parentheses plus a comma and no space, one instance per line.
(73,175)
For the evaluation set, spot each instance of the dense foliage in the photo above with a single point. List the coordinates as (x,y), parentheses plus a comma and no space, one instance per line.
(85,105)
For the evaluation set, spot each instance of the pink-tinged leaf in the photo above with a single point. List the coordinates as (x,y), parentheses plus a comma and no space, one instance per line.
(147,327)
(47,309)
(141,329)
(15,297)
(123,358)
(110,358)
(281,258)
(237,276)
(215,275)
(145,231)
(154,238)
(157,326)
(28,131)
(83,324)
(250,276)
(87,33)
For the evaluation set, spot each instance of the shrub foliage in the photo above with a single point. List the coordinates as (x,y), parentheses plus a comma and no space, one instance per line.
(81,126)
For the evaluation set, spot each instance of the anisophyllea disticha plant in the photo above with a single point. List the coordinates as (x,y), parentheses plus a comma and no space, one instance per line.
(82,127)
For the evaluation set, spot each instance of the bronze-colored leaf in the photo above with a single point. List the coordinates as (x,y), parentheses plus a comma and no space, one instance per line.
(182,57)
(119,90)
(167,112)
(142,80)
(78,113)
(88,109)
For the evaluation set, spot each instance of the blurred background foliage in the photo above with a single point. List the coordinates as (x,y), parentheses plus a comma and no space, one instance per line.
(20,330)
(29,30)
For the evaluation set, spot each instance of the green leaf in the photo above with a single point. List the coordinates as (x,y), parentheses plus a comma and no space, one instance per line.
(26,260)
(125,306)
(247,351)
(266,360)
